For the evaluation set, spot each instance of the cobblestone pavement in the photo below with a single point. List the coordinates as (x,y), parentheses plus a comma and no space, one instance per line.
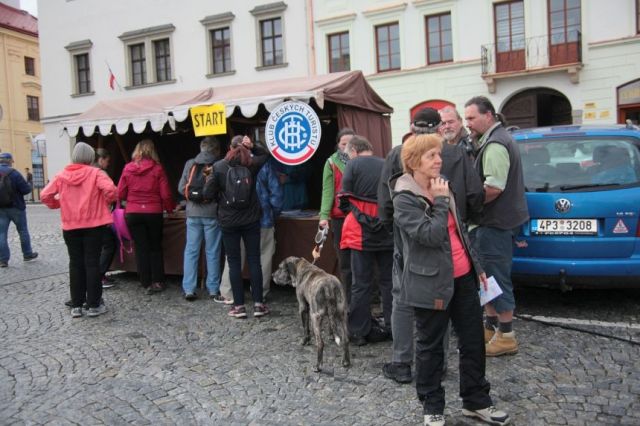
(161,360)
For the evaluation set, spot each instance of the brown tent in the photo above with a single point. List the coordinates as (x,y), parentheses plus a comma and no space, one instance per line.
(357,106)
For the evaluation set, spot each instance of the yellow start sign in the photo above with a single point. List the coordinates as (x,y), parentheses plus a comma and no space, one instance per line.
(209,119)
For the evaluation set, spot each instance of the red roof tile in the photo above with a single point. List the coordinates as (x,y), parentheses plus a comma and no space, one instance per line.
(18,20)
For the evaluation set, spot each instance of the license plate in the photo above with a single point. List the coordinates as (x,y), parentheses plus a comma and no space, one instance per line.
(564,226)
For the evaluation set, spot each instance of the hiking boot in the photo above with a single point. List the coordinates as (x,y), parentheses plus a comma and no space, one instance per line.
(31,256)
(260,310)
(488,334)
(94,312)
(76,312)
(4,264)
(238,312)
(502,344)
(190,297)
(218,298)
(398,371)
(377,334)
(434,420)
(490,415)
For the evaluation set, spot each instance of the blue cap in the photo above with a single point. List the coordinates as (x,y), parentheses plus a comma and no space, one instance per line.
(6,156)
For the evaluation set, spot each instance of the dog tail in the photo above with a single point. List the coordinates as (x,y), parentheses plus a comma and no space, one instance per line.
(333,305)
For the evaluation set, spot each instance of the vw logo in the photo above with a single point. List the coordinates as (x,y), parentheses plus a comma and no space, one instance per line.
(563,205)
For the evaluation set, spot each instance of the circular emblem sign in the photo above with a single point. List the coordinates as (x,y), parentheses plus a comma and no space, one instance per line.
(293,132)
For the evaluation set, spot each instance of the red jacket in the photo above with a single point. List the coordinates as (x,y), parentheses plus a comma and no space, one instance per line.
(145,188)
(83,194)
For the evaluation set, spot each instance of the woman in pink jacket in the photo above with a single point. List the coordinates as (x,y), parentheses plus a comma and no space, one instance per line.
(145,188)
(83,194)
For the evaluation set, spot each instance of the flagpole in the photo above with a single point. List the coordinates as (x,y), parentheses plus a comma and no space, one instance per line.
(114,76)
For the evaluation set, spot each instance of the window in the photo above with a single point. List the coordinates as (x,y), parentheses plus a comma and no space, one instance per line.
(388,47)
(138,65)
(33,109)
(339,59)
(29,66)
(148,58)
(83,76)
(271,37)
(439,43)
(509,26)
(221,50)
(163,59)
(564,21)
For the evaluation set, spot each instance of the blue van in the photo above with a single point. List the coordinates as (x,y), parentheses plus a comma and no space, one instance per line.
(583,191)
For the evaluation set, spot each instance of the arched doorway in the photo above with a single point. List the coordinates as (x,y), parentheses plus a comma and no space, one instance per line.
(538,107)
(434,103)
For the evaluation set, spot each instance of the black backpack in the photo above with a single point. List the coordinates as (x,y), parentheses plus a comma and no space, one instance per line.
(6,190)
(238,187)
(194,189)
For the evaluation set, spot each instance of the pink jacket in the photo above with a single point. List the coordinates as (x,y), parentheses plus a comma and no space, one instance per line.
(83,196)
(145,187)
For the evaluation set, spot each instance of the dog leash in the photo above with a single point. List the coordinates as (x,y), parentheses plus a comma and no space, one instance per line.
(321,237)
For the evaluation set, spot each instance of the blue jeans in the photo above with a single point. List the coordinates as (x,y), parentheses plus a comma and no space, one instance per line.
(197,229)
(495,251)
(250,236)
(19,218)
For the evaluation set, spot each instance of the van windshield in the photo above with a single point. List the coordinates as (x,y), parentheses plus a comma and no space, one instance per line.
(579,164)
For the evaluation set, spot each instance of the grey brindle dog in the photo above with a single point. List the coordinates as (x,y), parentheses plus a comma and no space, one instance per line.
(319,295)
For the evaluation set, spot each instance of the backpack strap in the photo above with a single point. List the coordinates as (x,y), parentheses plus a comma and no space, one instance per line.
(191,173)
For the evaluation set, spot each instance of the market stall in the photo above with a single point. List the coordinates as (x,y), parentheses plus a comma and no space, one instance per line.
(339,100)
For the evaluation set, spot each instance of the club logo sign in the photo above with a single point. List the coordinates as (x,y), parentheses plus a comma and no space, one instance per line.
(293,132)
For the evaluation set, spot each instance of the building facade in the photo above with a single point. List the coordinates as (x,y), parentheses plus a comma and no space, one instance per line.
(20,92)
(541,62)
(94,51)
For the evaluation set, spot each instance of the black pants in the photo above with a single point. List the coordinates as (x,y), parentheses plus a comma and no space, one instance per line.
(146,231)
(465,313)
(363,265)
(250,235)
(109,245)
(344,256)
(83,246)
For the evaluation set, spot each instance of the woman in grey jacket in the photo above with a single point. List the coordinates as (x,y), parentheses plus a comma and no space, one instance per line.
(439,276)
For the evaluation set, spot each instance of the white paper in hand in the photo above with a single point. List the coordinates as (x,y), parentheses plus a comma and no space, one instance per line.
(493,291)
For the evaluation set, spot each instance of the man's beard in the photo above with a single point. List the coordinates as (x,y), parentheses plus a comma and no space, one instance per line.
(449,136)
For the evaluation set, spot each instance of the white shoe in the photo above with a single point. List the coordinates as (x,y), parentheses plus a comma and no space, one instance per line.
(434,419)
(490,415)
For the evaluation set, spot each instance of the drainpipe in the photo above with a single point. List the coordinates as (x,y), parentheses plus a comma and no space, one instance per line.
(311,39)
(9,112)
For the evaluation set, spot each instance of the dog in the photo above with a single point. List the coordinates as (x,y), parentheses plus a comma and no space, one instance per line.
(319,295)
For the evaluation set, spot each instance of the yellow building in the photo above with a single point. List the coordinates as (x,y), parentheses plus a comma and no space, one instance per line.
(20,91)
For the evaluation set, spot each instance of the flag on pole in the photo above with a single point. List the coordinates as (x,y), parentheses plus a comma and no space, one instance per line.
(112,80)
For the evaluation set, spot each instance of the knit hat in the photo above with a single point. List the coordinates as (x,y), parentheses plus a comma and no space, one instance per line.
(427,118)
(83,154)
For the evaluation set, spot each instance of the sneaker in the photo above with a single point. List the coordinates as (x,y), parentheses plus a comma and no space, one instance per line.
(238,312)
(434,420)
(107,282)
(76,312)
(377,334)
(502,344)
(190,297)
(4,264)
(218,298)
(228,302)
(490,415)
(31,256)
(398,371)
(94,312)
(260,310)
(488,334)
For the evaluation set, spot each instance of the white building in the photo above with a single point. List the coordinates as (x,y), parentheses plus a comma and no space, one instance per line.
(160,46)
(541,62)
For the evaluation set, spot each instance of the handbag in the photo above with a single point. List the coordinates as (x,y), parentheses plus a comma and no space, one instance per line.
(122,230)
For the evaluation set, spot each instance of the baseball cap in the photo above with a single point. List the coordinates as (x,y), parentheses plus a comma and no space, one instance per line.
(427,117)
(6,156)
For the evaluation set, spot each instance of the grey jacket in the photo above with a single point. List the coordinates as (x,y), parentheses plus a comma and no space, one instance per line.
(198,209)
(426,266)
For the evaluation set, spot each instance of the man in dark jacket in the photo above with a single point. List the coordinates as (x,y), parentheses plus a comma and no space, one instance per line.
(15,212)
(202,223)
(467,190)
(370,242)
